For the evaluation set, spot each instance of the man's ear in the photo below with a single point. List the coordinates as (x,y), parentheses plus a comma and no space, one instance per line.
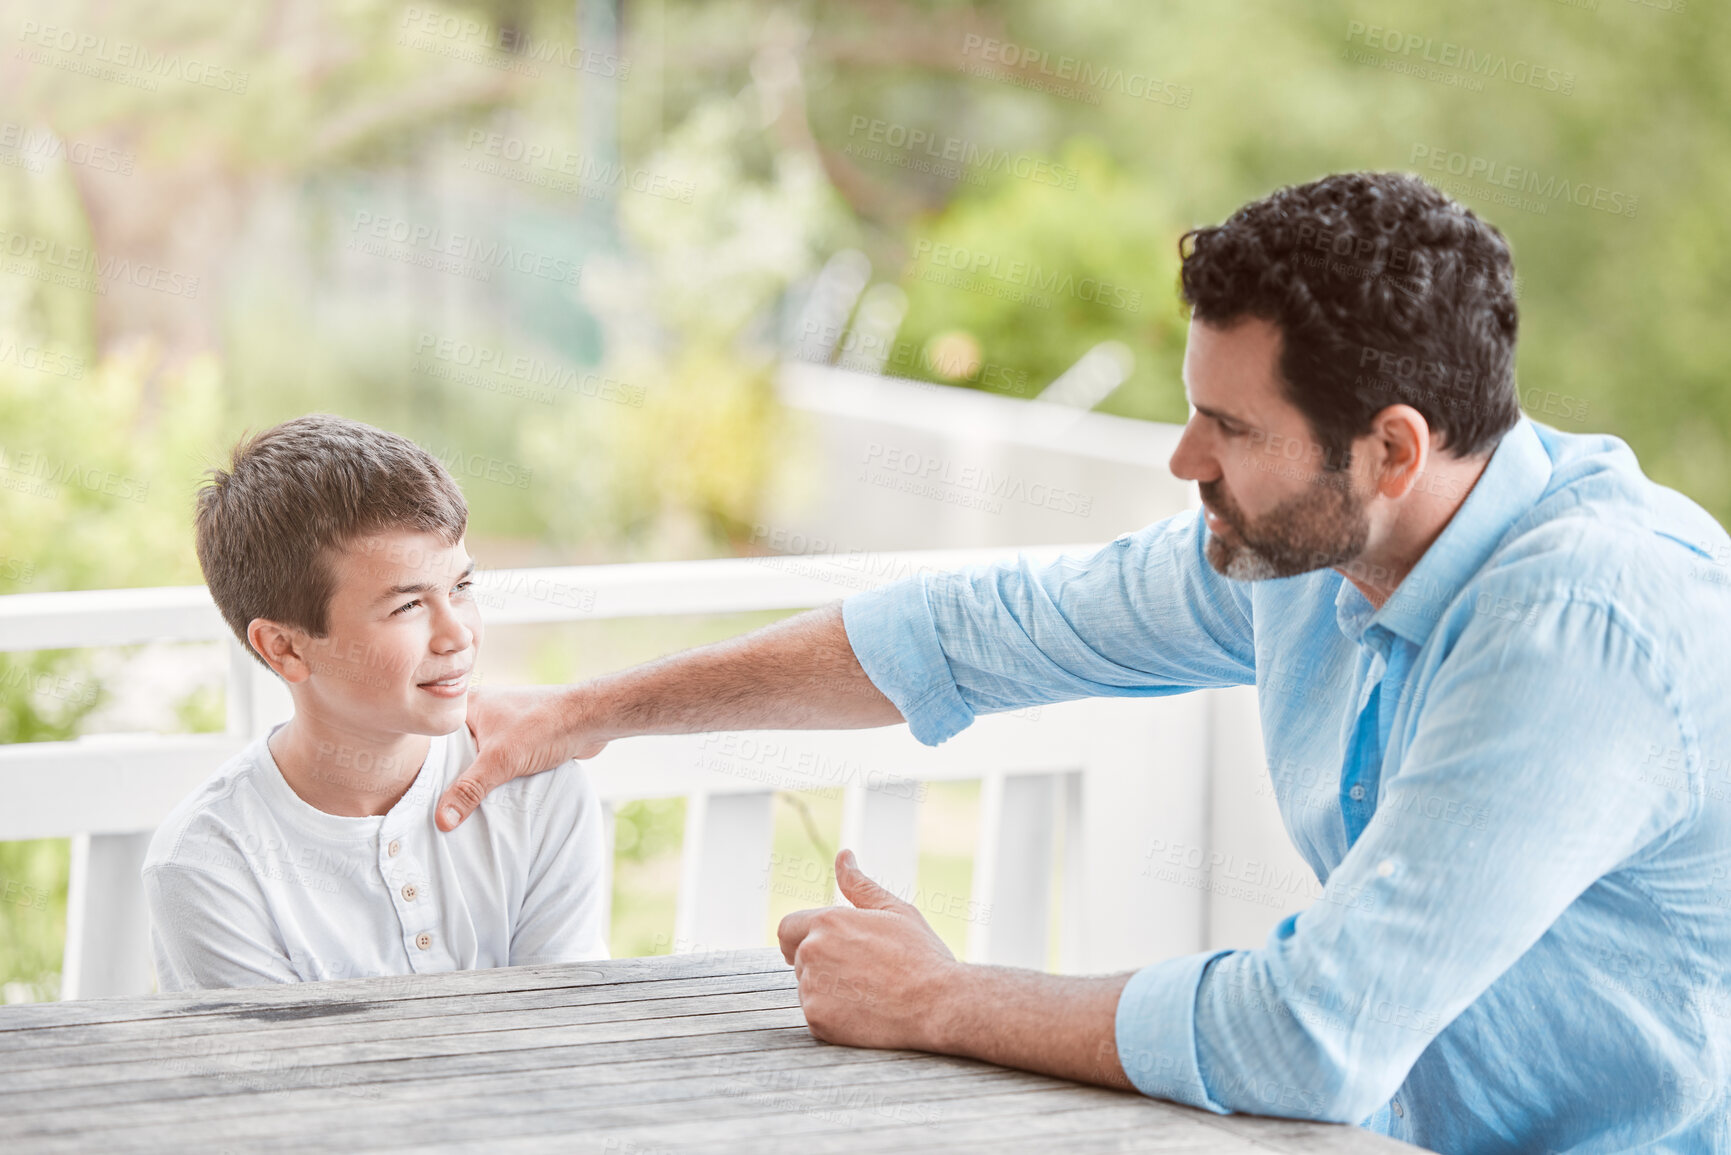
(283,648)
(1403,442)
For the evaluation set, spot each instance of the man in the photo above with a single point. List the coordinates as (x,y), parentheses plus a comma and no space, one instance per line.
(1506,642)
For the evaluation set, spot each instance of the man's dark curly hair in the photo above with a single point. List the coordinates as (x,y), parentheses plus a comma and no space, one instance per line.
(1385,291)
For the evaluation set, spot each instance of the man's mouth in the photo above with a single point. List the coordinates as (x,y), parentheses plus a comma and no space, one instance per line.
(450,686)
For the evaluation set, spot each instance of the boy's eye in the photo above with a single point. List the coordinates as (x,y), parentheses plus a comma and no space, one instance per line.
(462,585)
(405,607)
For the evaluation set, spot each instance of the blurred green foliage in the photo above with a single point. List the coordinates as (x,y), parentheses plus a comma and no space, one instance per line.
(33,879)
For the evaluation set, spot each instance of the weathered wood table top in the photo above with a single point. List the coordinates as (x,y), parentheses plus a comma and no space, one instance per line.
(633,1057)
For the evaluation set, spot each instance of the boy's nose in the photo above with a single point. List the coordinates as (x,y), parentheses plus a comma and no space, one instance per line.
(451,634)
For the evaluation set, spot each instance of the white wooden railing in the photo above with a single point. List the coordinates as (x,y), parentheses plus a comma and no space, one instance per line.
(1083,786)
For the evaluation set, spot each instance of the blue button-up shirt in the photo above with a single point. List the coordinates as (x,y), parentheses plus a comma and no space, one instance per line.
(1524,936)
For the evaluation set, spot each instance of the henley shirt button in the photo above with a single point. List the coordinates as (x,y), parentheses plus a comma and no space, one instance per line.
(1384,869)
(1357,793)
(1398,1112)
(393,848)
(409,892)
(424,940)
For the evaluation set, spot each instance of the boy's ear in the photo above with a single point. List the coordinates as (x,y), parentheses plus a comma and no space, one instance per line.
(282,647)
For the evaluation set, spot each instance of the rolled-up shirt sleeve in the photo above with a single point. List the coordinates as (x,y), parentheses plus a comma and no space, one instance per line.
(1489,829)
(1144,616)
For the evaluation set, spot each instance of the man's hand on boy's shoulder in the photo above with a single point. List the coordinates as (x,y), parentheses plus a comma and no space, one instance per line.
(518,730)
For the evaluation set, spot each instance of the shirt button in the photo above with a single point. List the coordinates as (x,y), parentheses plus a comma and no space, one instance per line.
(409,892)
(1398,1112)
(1357,793)
(393,848)
(424,940)
(1385,869)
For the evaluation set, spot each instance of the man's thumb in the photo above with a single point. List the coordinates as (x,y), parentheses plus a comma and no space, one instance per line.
(463,795)
(859,889)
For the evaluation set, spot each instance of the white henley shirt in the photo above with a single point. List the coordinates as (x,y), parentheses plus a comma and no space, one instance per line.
(247,884)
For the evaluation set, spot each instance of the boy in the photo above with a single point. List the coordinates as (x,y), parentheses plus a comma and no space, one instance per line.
(335,552)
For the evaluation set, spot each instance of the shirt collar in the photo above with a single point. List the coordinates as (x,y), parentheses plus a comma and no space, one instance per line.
(292,808)
(1515,477)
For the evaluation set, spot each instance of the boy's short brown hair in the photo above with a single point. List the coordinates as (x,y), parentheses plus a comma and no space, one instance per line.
(295,495)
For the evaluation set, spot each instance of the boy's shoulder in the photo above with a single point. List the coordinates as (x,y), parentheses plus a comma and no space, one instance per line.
(564,789)
(225,804)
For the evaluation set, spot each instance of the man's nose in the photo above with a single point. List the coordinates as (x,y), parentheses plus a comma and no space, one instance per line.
(1191,461)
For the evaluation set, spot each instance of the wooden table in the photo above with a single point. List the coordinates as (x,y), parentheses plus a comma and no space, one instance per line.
(705,1052)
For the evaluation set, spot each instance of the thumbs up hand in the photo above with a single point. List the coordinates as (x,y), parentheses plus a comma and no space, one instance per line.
(875,974)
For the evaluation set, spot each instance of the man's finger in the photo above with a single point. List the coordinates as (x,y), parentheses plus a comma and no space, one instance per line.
(792,932)
(858,888)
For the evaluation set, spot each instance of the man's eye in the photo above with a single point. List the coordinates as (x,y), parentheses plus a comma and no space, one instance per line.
(462,585)
(405,607)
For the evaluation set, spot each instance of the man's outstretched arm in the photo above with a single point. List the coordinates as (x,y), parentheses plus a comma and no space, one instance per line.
(876,975)
(798,674)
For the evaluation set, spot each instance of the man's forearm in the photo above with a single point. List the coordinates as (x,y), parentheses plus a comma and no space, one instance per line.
(798,674)
(1059,1025)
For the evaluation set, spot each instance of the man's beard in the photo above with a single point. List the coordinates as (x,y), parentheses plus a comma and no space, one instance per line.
(1326,525)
